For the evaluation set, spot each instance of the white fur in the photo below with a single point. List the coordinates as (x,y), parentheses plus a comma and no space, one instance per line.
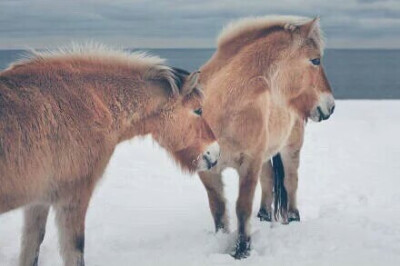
(212,153)
(325,103)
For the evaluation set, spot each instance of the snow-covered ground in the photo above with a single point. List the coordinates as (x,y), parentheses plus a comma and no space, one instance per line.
(145,212)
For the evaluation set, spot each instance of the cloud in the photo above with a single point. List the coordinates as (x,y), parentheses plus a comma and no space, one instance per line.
(186,23)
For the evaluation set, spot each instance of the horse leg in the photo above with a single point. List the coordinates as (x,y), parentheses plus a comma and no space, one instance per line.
(266,181)
(70,217)
(215,191)
(35,217)
(248,173)
(290,158)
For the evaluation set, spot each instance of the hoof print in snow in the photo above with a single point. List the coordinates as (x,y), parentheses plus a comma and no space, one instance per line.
(242,249)
(264,215)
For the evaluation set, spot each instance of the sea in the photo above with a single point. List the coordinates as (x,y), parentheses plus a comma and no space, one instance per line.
(353,73)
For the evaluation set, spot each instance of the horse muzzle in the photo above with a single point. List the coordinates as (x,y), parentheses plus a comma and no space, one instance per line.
(210,157)
(324,109)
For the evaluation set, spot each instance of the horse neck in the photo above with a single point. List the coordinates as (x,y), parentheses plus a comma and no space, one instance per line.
(150,124)
(249,61)
(145,116)
(255,47)
(116,88)
(132,103)
(211,68)
(135,105)
(142,110)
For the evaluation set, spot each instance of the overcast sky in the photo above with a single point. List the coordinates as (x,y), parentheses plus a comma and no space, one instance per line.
(187,23)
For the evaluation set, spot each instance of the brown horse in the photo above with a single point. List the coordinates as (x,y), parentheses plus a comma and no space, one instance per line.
(261,85)
(62,115)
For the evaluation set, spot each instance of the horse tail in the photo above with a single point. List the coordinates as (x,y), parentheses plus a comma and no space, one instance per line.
(280,193)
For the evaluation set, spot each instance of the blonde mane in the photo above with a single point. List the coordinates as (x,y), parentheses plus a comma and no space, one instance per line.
(92,51)
(246,25)
(152,67)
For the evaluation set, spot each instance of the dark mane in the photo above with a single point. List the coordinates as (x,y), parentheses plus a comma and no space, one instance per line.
(180,76)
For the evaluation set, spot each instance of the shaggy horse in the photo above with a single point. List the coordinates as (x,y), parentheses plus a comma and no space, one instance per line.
(62,115)
(261,85)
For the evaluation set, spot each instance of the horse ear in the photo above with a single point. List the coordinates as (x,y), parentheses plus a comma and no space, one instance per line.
(307,29)
(191,83)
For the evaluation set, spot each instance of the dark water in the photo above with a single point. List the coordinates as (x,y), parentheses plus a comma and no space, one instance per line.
(354,74)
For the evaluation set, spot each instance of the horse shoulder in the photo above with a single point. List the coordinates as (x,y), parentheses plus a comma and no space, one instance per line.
(248,129)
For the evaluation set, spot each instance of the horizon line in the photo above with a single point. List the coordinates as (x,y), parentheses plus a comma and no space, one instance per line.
(197,48)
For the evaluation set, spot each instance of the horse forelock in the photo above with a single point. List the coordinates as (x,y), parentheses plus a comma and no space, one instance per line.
(180,76)
(175,77)
(180,79)
(238,28)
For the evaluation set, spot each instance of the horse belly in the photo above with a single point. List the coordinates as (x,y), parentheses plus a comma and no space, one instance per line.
(21,186)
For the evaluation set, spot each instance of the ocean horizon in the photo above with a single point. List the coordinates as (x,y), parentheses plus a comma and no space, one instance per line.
(353,73)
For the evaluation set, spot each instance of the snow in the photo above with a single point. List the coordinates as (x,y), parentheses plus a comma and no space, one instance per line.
(145,212)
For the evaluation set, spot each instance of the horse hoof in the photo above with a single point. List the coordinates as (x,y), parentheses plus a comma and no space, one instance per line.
(285,221)
(221,227)
(294,216)
(264,215)
(242,249)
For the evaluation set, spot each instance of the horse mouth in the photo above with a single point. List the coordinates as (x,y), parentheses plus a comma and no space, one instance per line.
(209,163)
(322,116)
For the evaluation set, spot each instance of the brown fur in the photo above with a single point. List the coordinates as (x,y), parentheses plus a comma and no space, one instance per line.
(260,87)
(61,117)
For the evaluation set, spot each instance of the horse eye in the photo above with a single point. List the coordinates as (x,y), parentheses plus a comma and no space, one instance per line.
(198,111)
(316,61)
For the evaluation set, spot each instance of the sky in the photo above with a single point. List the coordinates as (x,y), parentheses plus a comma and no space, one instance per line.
(186,23)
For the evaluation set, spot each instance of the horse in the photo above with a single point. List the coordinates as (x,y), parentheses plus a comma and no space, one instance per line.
(262,84)
(62,114)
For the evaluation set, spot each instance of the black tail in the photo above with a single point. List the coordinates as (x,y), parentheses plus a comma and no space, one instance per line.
(280,194)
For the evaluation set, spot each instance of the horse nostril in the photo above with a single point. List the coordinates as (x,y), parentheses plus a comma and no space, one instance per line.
(208,152)
(332,109)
